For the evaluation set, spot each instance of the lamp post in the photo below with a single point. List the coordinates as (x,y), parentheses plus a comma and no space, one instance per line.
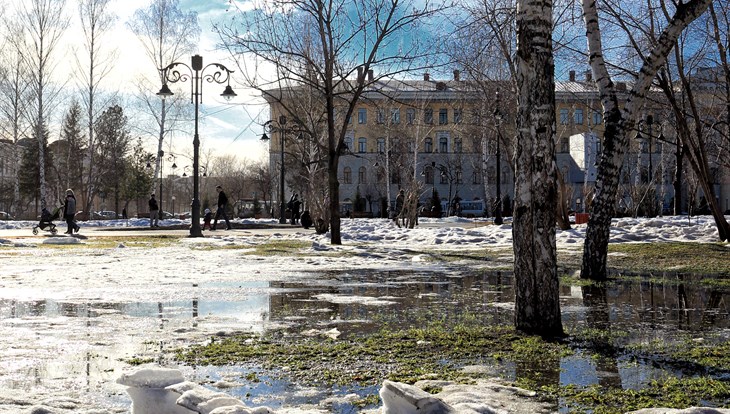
(498,122)
(196,73)
(273,126)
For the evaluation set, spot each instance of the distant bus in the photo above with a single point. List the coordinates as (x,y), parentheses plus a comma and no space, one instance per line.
(469,208)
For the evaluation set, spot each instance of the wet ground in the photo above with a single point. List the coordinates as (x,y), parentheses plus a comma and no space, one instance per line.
(68,340)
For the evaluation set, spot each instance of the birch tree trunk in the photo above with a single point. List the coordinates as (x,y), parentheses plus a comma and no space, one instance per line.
(618,121)
(537,306)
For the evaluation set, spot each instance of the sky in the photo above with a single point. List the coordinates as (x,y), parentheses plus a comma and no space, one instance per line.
(226,128)
(57,357)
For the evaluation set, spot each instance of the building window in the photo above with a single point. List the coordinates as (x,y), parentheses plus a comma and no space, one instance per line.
(476,177)
(381,145)
(362,177)
(380,175)
(410,116)
(362,145)
(348,143)
(428,116)
(381,116)
(428,145)
(564,144)
(457,116)
(395,177)
(597,118)
(443,145)
(443,116)
(410,145)
(458,145)
(428,172)
(444,178)
(459,177)
(578,117)
(347,175)
(491,174)
(564,118)
(505,175)
(362,116)
(395,116)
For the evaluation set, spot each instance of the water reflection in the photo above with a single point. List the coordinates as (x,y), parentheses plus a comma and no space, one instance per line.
(650,308)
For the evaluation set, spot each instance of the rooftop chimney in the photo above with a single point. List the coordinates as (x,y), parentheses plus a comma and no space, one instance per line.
(456,75)
(370,75)
(589,76)
(359,74)
(571,75)
(426,77)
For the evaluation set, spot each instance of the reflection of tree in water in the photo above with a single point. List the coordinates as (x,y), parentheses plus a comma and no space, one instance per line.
(595,299)
(714,303)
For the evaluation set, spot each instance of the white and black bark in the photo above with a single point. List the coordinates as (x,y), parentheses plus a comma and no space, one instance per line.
(96,21)
(43,23)
(537,305)
(618,121)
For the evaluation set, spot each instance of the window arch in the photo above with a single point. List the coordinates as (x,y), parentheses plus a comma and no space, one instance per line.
(428,172)
(362,145)
(443,145)
(428,145)
(347,175)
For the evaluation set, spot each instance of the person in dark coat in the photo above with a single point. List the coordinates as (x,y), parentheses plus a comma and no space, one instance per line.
(306,219)
(154,212)
(294,205)
(69,212)
(221,211)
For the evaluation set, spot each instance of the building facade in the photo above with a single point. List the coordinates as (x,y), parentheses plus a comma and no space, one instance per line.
(444,138)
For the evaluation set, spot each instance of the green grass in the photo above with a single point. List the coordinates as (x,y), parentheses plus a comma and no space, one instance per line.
(707,258)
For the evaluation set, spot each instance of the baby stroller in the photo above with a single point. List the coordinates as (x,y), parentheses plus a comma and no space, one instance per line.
(46,222)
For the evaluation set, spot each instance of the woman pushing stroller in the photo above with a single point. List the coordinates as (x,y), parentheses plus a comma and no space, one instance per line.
(69,212)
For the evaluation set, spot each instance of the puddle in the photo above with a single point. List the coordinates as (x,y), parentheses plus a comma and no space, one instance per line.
(76,338)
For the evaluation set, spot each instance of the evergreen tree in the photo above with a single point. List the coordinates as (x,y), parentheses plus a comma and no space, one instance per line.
(29,174)
(113,134)
(138,179)
(70,160)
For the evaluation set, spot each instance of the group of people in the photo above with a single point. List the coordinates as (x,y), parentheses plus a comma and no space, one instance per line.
(294,206)
(220,212)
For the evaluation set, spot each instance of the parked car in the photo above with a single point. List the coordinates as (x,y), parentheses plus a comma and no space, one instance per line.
(104,215)
(6,216)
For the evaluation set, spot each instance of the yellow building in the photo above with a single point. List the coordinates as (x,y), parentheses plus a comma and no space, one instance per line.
(441,136)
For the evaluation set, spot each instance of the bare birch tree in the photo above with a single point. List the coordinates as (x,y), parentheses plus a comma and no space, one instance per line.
(96,21)
(537,305)
(166,33)
(43,22)
(14,102)
(322,44)
(619,120)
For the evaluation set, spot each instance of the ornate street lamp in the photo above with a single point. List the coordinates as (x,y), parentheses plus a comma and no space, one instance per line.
(498,124)
(195,72)
(280,126)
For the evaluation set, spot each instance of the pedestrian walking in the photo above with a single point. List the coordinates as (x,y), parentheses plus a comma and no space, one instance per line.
(294,205)
(221,211)
(154,212)
(69,212)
